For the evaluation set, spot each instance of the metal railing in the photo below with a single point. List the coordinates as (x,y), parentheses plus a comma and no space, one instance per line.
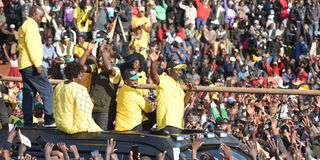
(209,88)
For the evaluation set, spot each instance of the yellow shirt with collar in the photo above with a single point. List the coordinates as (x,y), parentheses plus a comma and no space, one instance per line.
(138,21)
(142,43)
(170,100)
(82,16)
(79,50)
(130,108)
(30,45)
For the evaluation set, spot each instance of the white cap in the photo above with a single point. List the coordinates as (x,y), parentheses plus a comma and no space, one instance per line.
(12,26)
(271,11)
(178,39)
(235,25)
(232,59)
(256,21)
(197,49)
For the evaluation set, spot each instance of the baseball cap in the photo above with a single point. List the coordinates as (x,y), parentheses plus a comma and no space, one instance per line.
(178,39)
(232,59)
(141,9)
(130,74)
(12,26)
(174,64)
(101,35)
(66,38)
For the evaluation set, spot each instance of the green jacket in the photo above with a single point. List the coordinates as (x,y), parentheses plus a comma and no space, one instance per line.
(161,11)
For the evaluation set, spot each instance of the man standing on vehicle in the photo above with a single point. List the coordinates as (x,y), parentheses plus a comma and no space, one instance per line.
(104,85)
(34,77)
(132,106)
(171,99)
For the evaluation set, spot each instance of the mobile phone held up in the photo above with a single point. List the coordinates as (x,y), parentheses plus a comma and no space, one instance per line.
(135,151)
(95,153)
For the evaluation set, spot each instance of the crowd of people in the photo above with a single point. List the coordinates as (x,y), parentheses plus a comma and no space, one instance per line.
(98,45)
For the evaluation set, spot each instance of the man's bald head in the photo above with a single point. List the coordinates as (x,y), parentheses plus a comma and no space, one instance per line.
(36,13)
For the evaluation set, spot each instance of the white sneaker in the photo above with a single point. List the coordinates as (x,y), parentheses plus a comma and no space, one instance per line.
(52,125)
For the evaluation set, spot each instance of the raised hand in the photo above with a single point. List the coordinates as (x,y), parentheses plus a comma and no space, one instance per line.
(62,146)
(273,146)
(161,156)
(111,144)
(47,150)
(227,152)
(73,149)
(252,149)
(196,144)
(153,55)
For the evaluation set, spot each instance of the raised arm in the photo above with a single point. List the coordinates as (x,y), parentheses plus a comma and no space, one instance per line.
(153,70)
(84,57)
(225,5)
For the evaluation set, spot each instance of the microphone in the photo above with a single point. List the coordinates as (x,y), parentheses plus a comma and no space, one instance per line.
(186,81)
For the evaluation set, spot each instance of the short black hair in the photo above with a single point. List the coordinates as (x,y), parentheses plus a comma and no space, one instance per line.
(73,69)
(142,61)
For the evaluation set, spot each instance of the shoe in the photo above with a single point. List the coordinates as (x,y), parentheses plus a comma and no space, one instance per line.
(52,125)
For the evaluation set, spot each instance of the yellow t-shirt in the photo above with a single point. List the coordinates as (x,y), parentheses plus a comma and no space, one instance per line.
(79,50)
(136,22)
(170,98)
(82,16)
(142,43)
(130,107)
(72,107)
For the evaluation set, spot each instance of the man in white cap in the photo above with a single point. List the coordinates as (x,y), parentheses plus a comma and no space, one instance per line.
(176,51)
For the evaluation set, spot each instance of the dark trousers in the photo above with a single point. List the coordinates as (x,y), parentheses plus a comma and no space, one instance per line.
(104,120)
(4,120)
(148,124)
(33,83)
(301,31)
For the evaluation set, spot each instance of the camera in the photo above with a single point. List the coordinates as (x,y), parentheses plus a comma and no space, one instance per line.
(102,35)
(117,9)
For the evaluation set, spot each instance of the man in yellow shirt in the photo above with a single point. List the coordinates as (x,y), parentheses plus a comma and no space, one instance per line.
(34,77)
(81,47)
(171,99)
(131,105)
(81,18)
(143,23)
(139,45)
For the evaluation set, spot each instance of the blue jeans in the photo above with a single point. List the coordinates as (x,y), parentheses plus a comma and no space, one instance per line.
(272,58)
(313,30)
(193,43)
(199,21)
(70,23)
(33,83)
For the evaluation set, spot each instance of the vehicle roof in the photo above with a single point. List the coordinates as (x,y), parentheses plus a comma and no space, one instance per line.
(151,143)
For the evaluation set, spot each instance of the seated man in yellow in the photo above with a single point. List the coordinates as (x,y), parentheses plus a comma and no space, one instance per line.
(138,45)
(72,103)
(81,47)
(131,105)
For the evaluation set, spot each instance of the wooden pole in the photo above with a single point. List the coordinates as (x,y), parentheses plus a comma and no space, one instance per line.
(111,33)
(209,89)
(122,31)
